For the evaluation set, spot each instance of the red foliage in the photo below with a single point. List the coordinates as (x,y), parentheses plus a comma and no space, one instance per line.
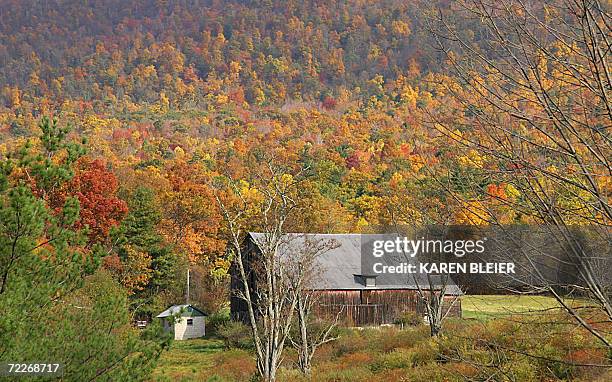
(95,187)
(119,134)
(497,191)
(329,103)
(352,161)
(112,263)
(237,95)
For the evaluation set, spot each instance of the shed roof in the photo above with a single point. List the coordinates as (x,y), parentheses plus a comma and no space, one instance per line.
(340,266)
(186,310)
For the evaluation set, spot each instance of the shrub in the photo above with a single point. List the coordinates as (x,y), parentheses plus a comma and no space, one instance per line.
(329,103)
(393,375)
(409,319)
(325,353)
(235,335)
(350,342)
(424,352)
(430,373)
(235,365)
(293,375)
(217,320)
(216,378)
(560,370)
(523,370)
(465,369)
(389,339)
(355,359)
(345,375)
(397,359)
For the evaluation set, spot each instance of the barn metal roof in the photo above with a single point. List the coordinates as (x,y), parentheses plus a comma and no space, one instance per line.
(186,310)
(340,267)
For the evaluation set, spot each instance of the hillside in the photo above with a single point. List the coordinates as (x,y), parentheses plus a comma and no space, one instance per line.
(272,51)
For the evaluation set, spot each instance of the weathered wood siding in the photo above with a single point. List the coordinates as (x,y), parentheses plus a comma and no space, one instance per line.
(373,307)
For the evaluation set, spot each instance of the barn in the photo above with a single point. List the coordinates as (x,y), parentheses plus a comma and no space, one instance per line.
(341,289)
(184,321)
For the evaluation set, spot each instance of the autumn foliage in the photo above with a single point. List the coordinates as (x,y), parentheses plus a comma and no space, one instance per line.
(96,189)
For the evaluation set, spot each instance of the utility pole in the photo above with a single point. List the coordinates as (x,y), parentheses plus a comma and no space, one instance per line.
(187,295)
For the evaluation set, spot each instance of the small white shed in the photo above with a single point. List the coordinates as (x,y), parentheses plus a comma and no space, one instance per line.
(186,321)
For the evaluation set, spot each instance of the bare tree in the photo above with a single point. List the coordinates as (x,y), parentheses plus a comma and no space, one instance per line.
(433,299)
(276,281)
(313,332)
(531,97)
(272,300)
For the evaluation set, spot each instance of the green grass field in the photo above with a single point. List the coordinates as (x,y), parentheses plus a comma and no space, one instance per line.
(483,307)
(185,358)
(202,360)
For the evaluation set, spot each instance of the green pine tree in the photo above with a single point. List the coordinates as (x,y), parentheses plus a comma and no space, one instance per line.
(56,306)
(139,230)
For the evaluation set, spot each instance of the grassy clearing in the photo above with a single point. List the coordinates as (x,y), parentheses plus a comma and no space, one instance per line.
(485,307)
(186,358)
(202,360)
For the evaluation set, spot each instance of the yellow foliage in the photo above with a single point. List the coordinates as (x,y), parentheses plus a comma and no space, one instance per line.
(512,192)
(260,96)
(92,122)
(361,223)
(235,67)
(221,99)
(472,159)
(396,180)
(417,162)
(135,270)
(249,193)
(472,213)
(164,101)
(286,180)
(409,95)
(15,96)
(400,28)
(374,53)
(179,153)
(34,79)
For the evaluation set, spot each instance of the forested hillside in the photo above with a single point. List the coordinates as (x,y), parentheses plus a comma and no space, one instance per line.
(169,95)
(271,51)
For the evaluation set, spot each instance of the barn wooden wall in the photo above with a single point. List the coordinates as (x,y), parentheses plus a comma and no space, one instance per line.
(372,307)
(362,307)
